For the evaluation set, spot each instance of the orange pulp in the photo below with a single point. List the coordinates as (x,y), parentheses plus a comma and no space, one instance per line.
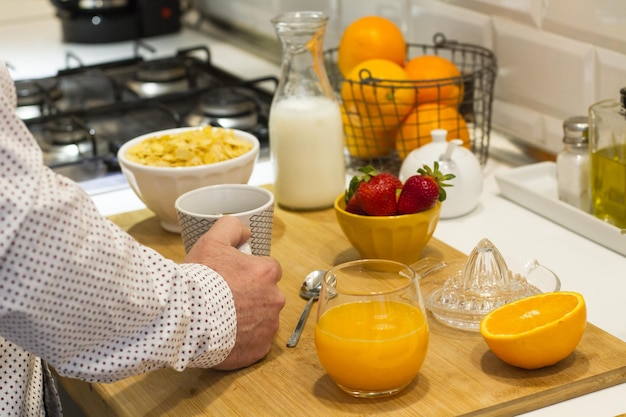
(372,346)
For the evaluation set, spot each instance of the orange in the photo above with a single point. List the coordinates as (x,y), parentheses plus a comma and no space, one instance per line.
(437,79)
(379,92)
(364,140)
(367,38)
(536,331)
(415,129)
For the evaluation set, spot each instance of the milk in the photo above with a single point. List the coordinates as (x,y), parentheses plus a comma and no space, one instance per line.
(306,146)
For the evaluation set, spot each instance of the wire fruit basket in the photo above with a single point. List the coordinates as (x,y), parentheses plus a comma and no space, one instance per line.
(379,131)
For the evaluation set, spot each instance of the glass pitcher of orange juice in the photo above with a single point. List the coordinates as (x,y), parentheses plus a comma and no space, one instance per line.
(371,334)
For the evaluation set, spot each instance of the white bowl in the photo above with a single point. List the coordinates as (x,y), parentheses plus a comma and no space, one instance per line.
(159,187)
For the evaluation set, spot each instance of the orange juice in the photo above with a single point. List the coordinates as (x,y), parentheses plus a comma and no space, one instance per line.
(372,345)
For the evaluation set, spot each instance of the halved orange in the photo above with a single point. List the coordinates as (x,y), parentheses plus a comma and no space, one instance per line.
(536,331)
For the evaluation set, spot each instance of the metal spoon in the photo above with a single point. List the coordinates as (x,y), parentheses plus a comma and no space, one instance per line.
(310,290)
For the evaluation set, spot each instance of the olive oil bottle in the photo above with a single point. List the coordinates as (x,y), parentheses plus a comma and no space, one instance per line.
(607,136)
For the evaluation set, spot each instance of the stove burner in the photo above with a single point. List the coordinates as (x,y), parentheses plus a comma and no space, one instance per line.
(229,107)
(156,78)
(65,131)
(86,112)
(67,140)
(35,97)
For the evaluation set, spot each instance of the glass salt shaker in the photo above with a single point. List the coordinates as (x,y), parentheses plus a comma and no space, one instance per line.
(305,126)
(572,164)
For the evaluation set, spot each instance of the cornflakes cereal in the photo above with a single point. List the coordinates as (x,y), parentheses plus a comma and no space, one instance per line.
(191,148)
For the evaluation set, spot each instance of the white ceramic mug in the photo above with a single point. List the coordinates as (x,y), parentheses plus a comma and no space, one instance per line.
(199,209)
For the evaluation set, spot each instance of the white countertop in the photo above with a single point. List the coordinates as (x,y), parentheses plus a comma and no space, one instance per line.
(33,49)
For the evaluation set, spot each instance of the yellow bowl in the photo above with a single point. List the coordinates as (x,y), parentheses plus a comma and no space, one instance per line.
(399,238)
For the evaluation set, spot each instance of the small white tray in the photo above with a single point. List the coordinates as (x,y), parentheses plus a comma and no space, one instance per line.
(534,187)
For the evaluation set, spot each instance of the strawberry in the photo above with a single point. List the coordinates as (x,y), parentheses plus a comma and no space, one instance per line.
(389,178)
(422,191)
(368,172)
(353,207)
(373,193)
(377,198)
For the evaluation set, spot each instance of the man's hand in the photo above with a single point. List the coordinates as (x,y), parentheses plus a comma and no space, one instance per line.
(253,281)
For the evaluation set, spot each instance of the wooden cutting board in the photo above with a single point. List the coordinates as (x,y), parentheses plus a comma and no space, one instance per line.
(460,375)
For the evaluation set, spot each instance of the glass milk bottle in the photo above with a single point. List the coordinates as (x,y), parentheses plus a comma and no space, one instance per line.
(607,135)
(305,127)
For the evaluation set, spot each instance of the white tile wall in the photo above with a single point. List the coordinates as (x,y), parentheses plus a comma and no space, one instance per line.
(252,15)
(14,11)
(555,57)
(431,16)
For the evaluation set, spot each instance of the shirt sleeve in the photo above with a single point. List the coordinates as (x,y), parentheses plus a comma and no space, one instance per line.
(81,293)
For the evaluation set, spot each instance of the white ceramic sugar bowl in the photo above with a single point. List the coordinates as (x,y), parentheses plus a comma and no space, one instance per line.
(464,195)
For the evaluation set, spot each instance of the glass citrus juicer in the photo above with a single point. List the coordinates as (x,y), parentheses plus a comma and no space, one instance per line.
(465,290)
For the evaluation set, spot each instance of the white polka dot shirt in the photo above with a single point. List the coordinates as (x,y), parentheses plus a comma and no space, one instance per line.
(81,294)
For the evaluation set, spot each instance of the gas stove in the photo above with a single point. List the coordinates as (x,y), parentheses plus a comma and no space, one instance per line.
(82,115)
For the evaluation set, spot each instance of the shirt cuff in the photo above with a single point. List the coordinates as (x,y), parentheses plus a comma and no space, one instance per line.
(213,316)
